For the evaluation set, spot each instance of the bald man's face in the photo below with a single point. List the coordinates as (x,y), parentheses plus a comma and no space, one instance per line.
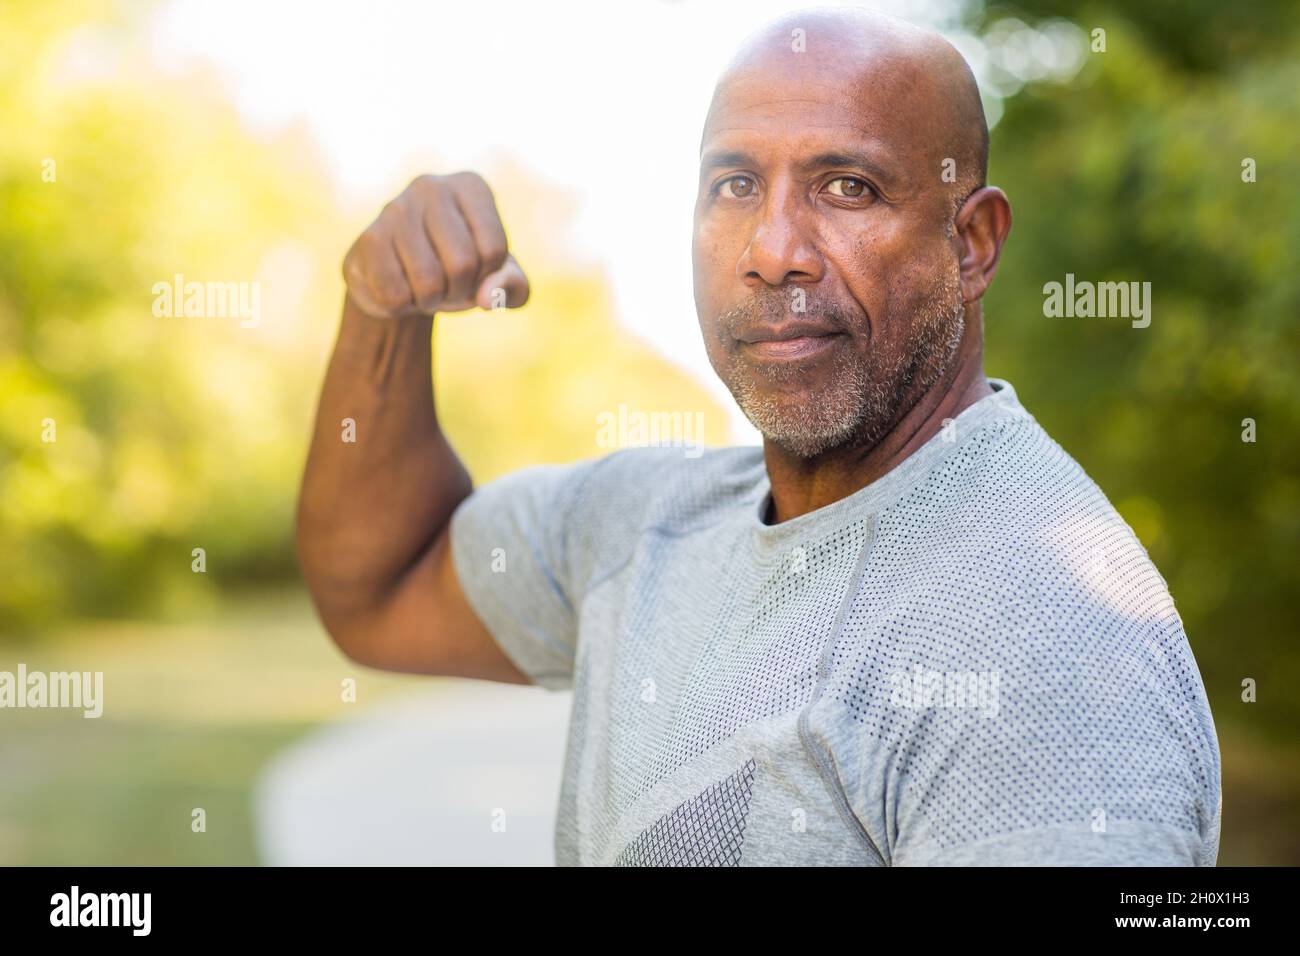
(826,273)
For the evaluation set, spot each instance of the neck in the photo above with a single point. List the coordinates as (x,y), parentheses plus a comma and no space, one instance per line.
(800,485)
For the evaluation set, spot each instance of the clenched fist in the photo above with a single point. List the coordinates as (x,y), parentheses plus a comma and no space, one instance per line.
(438,247)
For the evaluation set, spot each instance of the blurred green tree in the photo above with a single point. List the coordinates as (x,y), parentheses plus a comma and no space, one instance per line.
(172,434)
(1133,171)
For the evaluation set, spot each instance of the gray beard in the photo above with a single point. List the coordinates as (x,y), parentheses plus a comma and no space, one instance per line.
(866,397)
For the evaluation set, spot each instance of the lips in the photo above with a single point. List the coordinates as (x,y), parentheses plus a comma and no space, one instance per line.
(792,341)
(800,347)
(786,332)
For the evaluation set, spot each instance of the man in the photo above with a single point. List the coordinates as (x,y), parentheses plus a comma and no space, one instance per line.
(909,630)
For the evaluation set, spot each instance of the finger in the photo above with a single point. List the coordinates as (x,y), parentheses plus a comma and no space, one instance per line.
(374,275)
(386,285)
(479,209)
(358,292)
(509,279)
(366,303)
(424,273)
(446,229)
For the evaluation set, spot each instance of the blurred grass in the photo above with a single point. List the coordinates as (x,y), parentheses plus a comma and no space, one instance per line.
(193,711)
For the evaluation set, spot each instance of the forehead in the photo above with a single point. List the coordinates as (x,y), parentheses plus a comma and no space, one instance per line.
(789,100)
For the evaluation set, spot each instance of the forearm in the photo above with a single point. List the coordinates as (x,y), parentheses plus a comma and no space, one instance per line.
(371,507)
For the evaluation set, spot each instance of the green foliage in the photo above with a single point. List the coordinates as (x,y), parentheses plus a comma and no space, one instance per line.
(169,433)
(1133,172)
(180,433)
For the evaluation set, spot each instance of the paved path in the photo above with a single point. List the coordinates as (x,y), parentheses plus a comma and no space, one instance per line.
(420,781)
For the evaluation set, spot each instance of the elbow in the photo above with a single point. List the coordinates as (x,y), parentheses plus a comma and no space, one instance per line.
(349,633)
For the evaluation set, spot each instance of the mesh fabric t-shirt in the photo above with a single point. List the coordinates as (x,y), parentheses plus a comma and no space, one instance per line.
(970,660)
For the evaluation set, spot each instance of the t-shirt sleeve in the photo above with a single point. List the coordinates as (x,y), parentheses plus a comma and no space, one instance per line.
(1081,757)
(511,548)
(1085,743)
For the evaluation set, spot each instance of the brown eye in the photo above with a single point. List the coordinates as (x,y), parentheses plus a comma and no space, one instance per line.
(851,188)
(737,187)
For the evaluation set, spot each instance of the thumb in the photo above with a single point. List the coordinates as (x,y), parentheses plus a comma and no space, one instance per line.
(506,286)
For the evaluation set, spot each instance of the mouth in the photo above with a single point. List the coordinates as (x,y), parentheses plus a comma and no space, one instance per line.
(791,347)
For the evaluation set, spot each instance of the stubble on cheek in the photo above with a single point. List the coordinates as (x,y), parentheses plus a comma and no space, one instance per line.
(860,392)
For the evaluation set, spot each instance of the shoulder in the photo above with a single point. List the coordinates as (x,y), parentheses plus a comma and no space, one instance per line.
(589,514)
(635,491)
(1009,531)
(1009,507)
(637,478)
(671,488)
(1012,562)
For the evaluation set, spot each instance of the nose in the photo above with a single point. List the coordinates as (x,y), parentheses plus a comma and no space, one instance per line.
(781,249)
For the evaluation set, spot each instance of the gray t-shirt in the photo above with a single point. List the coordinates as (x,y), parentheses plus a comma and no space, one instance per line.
(969,661)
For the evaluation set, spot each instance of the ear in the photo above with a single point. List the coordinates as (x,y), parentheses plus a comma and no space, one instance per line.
(981,225)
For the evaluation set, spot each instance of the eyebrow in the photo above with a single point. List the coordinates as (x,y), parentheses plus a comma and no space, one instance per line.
(850,159)
(842,158)
(731,157)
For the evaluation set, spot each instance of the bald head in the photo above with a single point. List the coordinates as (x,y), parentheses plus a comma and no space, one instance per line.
(875,60)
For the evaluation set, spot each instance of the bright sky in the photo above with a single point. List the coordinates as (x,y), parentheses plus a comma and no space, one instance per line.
(605,99)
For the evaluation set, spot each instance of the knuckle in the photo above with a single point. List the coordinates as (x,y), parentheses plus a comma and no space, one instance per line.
(425,186)
(461,267)
(367,302)
(469,179)
(494,254)
(390,301)
(354,263)
(390,293)
(368,245)
(426,284)
(424,183)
